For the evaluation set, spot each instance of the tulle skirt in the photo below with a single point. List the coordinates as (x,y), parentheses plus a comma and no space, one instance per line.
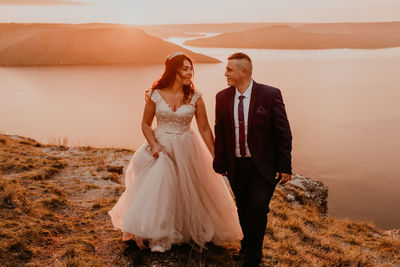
(176,198)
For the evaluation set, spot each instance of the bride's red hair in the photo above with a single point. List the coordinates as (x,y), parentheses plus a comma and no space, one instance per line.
(173,63)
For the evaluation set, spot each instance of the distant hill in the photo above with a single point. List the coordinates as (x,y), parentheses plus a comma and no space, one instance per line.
(75,44)
(309,36)
(189,30)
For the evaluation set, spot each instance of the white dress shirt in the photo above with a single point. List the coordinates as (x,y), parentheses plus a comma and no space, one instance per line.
(246,104)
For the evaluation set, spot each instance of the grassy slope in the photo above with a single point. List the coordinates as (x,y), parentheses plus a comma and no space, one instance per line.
(54,202)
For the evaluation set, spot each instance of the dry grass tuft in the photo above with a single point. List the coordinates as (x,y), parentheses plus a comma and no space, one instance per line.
(27,201)
(112,177)
(27,159)
(116,169)
(298,234)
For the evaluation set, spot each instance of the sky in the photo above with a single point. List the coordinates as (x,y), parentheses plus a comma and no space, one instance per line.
(190,11)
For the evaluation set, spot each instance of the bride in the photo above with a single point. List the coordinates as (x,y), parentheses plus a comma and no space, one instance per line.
(172,194)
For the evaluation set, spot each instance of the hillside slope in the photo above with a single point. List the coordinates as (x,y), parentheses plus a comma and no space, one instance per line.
(54,201)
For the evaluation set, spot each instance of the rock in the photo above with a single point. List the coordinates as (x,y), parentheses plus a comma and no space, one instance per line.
(290,198)
(377,235)
(394,233)
(306,190)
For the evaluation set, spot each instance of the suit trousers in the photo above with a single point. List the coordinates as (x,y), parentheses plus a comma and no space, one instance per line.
(252,194)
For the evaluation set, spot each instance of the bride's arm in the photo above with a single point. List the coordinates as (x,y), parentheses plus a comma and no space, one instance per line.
(147,121)
(204,126)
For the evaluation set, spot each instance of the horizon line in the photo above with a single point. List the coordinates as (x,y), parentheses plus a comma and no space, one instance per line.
(203,23)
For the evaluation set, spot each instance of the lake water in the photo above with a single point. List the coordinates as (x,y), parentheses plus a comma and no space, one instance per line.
(343,106)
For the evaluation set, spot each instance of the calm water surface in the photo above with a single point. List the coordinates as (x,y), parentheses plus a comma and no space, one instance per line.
(343,106)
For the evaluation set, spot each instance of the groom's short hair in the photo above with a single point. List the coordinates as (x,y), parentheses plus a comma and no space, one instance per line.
(240,55)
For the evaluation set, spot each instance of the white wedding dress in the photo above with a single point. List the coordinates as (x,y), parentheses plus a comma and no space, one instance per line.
(178,197)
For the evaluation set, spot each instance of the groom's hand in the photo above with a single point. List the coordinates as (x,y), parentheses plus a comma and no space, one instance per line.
(224,174)
(285,177)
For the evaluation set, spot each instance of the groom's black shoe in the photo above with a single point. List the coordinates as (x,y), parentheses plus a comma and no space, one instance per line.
(240,256)
(251,262)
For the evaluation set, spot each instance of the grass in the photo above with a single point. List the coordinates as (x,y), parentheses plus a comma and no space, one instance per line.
(29,219)
(48,219)
(299,235)
(20,156)
(28,202)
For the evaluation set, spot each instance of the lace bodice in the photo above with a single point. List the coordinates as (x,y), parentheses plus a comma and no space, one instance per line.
(170,121)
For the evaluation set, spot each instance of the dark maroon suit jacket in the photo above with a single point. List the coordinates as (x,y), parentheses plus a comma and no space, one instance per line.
(268,135)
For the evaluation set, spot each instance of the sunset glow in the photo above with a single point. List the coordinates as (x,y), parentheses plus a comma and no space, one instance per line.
(207,11)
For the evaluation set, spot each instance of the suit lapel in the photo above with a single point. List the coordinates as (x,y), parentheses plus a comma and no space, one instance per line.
(253,103)
(230,106)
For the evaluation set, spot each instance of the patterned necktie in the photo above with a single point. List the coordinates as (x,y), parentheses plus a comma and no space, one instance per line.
(241,127)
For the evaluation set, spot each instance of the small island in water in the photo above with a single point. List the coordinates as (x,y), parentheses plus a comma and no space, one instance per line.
(46,44)
(307,36)
(42,44)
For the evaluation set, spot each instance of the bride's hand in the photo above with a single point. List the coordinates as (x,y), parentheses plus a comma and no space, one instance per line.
(156,149)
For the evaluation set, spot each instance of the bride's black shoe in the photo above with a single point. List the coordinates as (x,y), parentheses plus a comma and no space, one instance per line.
(129,247)
(130,243)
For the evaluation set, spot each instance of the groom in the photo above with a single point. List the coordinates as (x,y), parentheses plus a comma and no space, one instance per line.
(253,144)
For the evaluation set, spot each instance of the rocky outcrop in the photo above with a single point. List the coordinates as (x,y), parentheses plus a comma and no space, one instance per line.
(394,233)
(303,190)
